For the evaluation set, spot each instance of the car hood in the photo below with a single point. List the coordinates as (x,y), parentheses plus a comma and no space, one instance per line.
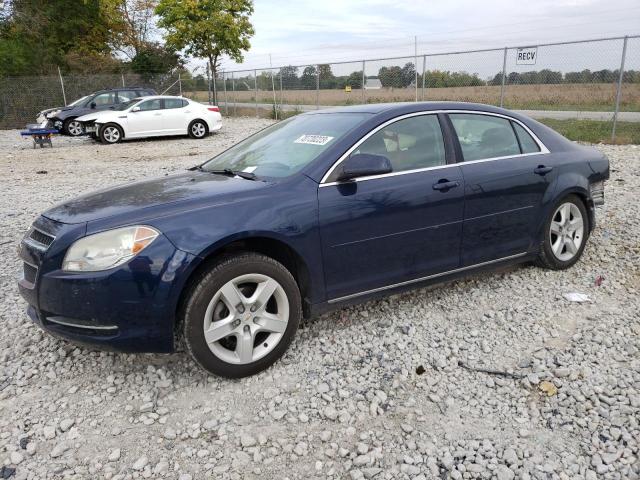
(155,197)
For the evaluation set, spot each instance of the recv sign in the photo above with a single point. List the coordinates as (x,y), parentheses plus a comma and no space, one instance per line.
(526,56)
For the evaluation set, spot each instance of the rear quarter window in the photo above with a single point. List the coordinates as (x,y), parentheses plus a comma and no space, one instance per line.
(527,143)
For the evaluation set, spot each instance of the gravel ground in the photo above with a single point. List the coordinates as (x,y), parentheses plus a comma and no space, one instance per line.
(498,376)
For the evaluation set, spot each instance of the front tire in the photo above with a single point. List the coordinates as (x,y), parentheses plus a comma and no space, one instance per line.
(110,133)
(198,129)
(240,316)
(72,127)
(565,234)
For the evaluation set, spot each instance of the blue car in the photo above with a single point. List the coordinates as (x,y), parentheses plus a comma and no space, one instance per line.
(325,209)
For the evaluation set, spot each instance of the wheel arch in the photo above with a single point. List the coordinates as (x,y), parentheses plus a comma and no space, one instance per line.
(264,244)
(200,119)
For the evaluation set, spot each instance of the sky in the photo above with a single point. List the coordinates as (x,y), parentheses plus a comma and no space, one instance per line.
(322,31)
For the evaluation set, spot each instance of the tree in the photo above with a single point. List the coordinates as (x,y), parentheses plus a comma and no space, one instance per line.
(408,74)
(154,59)
(327,78)
(289,76)
(308,78)
(38,35)
(135,27)
(207,28)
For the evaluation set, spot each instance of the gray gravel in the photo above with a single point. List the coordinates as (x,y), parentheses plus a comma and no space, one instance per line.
(387,390)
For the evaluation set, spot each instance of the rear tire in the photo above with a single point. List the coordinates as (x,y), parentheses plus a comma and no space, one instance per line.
(565,234)
(72,127)
(240,316)
(111,133)
(198,129)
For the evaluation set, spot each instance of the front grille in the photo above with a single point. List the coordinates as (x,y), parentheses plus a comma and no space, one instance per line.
(30,273)
(41,237)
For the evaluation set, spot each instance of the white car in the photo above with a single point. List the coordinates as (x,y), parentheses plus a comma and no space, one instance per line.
(154,116)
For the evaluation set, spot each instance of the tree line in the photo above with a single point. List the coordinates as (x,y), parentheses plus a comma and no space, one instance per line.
(114,36)
(305,78)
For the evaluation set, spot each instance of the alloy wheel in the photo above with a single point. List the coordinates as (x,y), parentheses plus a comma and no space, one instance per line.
(198,130)
(111,134)
(566,231)
(246,318)
(75,128)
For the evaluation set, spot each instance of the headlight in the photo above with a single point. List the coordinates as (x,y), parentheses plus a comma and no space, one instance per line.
(105,250)
(52,114)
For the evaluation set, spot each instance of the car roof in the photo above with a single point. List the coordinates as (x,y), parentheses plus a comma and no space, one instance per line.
(409,107)
(152,97)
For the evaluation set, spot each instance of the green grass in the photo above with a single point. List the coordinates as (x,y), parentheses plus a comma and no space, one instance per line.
(595,131)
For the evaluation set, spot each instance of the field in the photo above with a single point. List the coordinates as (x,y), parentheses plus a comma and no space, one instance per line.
(594,96)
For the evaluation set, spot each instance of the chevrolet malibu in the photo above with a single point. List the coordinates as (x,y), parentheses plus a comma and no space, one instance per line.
(319,211)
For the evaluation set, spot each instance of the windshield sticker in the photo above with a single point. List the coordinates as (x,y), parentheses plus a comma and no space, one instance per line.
(313,139)
(249,169)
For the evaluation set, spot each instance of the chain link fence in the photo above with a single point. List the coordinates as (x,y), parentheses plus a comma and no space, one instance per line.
(586,89)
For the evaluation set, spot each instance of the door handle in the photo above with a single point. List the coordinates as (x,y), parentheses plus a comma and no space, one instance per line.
(444,185)
(157,114)
(542,170)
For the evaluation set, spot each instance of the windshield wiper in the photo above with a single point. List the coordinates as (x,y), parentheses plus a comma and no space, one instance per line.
(228,171)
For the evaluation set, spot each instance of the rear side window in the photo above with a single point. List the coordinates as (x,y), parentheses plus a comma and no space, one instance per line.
(412,143)
(527,143)
(173,103)
(126,95)
(105,99)
(484,136)
(145,93)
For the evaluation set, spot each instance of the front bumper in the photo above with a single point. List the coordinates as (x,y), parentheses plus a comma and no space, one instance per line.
(130,308)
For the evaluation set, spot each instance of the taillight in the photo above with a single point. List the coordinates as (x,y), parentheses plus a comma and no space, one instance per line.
(213,109)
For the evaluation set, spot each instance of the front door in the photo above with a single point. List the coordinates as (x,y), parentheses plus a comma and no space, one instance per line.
(383,230)
(506,176)
(146,121)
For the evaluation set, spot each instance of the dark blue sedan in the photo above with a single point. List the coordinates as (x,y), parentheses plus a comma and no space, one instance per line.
(324,209)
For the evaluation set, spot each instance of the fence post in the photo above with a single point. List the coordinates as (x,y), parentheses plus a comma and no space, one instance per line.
(255,89)
(424,73)
(226,100)
(64,95)
(180,83)
(415,65)
(280,75)
(215,88)
(364,82)
(619,90)
(504,75)
(273,88)
(233,88)
(317,87)
(208,86)
(122,75)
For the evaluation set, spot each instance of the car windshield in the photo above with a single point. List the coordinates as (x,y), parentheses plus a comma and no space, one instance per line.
(286,147)
(125,105)
(78,101)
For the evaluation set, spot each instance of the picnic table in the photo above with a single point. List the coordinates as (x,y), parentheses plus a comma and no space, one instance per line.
(40,136)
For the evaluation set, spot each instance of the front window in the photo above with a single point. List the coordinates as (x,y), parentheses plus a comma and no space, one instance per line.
(288,146)
(126,105)
(409,144)
(150,104)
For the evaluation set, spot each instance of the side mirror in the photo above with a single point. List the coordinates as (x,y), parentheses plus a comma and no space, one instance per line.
(93,105)
(135,109)
(364,165)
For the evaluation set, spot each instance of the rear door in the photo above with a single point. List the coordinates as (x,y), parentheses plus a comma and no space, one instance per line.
(387,229)
(147,121)
(506,173)
(176,116)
